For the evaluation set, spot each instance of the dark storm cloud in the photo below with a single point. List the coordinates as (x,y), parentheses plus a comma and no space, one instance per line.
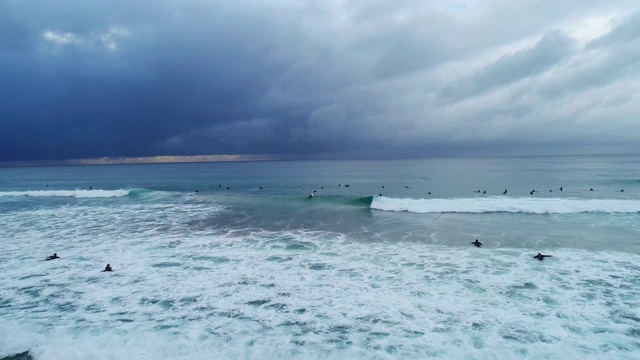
(345,78)
(92,90)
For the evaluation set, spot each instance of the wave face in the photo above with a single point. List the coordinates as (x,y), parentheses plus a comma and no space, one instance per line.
(507,205)
(71,193)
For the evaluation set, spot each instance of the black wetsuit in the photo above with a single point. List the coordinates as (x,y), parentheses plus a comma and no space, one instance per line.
(541,257)
(477,243)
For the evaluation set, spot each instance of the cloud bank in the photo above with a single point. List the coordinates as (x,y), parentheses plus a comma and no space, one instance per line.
(317,79)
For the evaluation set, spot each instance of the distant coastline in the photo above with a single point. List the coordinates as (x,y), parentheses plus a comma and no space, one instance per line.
(177,159)
(139,160)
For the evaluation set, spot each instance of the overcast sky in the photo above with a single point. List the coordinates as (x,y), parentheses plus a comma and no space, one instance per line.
(318,79)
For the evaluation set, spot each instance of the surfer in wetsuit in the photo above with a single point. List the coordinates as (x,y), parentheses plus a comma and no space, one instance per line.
(504,192)
(108,268)
(541,257)
(477,243)
(310,196)
(53,257)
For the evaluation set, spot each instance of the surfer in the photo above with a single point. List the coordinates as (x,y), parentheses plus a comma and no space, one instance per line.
(560,188)
(477,243)
(107,268)
(541,257)
(196,190)
(621,190)
(429,193)
(310,196)
(380,194)
(591,189)
(504,192)
(53,257)
(531,193)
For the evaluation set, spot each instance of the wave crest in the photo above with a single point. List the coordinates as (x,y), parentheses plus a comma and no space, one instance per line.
(69,193)
(508,205)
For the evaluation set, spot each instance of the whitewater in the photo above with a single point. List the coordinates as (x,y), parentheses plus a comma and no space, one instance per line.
(377,270)
(507,205)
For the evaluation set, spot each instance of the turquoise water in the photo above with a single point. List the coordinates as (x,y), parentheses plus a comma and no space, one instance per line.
(263,273)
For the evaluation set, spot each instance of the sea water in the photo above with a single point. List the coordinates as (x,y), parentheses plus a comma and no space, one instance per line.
(378,264)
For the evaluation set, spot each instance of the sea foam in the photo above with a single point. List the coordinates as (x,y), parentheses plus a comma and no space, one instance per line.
(256,296)
(507,205)
(69,193)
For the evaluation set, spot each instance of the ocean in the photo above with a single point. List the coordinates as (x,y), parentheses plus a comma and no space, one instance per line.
(235,261)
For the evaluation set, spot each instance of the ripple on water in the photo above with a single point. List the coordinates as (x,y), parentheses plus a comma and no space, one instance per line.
(212,259)
(5,303)
(67,307)
(31,276)
(473,286)
(634,332)
(166,264)
(320,266)
(277,306)
(258,302)
(32,291)
(274,258)
(525,336)
(189,300)
(300,245)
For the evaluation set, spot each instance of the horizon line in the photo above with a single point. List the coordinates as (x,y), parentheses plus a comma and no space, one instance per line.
(176,159)
(164,159)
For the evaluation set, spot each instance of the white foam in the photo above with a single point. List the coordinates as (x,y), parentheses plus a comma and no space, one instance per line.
(184,287)
(507,204)
(312,295)
(69,193)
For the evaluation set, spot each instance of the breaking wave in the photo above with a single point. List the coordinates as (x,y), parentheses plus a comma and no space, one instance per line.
(74,193)
(507,205)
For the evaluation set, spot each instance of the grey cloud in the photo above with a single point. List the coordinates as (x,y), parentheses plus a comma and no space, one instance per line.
(552,49)
(304,78)
(625,32)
